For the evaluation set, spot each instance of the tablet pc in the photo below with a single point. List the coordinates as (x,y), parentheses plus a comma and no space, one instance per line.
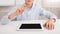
(30,26)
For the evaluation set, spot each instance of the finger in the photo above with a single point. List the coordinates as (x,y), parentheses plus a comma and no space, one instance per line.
(44,25)
(50,26)
(47,26)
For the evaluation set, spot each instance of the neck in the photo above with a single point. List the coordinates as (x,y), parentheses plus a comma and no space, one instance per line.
(29,5)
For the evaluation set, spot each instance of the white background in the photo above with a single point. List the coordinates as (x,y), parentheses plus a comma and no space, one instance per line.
(7,2)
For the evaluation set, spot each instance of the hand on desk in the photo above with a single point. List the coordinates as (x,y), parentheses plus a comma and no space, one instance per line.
(49,24)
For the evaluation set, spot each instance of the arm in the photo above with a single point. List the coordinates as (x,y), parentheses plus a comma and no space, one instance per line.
(8,17)
(48,14)
(19,11)
(5,20)
(52,18)
(13,14)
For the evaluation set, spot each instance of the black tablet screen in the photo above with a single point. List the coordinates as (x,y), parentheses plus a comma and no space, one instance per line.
(30,26)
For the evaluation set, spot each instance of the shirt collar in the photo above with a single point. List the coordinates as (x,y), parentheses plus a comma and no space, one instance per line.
(32,6)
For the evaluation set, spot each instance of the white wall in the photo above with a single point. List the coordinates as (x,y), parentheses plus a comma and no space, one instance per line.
(4,10)
(7,2)
(51,3)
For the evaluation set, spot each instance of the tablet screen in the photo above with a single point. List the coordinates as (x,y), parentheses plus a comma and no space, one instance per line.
(30,26)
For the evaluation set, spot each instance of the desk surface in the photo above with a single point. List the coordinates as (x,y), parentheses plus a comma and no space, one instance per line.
(11,28)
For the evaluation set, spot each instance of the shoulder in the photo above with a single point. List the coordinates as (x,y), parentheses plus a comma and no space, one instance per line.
(38,5)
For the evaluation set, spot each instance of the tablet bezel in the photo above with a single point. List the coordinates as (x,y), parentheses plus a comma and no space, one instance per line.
(27,22)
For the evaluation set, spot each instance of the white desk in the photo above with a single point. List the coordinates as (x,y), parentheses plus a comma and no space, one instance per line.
(11,29)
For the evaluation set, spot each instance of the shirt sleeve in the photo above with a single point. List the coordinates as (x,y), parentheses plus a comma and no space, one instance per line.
(4,20)
(46,13)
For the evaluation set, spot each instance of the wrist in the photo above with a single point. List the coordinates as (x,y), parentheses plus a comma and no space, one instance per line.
(52,20)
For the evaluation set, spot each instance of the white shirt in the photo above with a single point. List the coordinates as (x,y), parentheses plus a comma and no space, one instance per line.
(34,13)
(31,14)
